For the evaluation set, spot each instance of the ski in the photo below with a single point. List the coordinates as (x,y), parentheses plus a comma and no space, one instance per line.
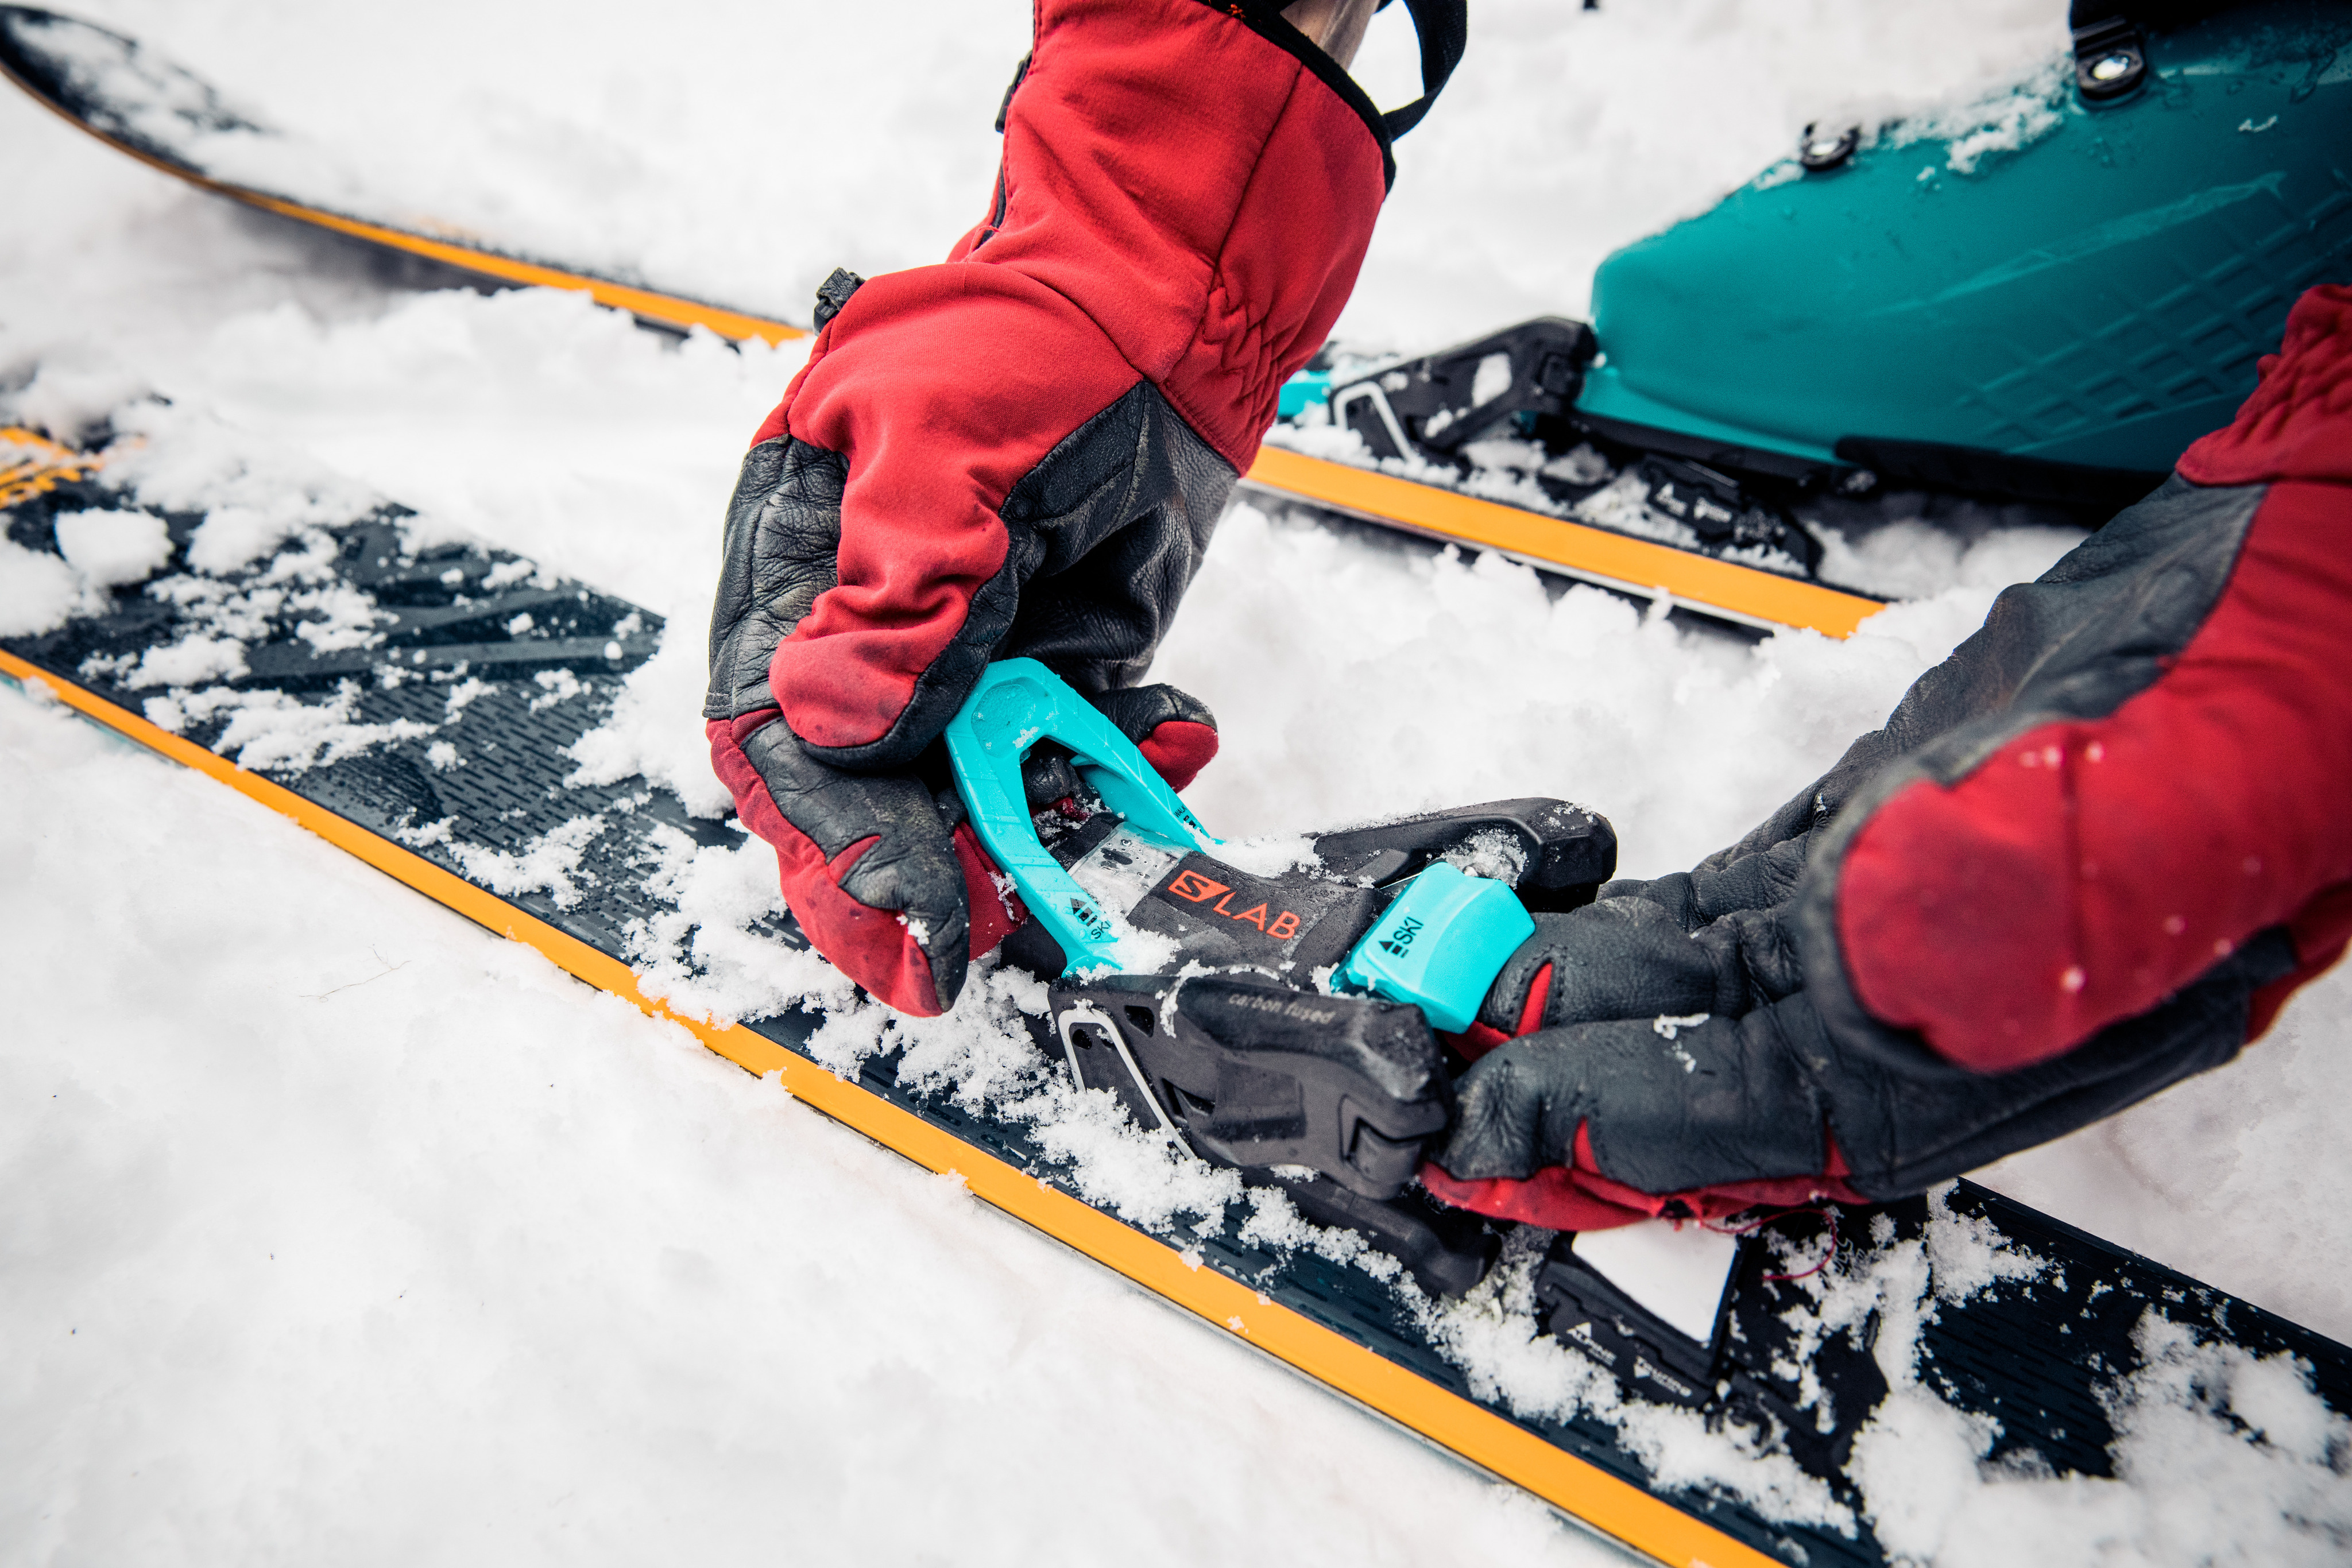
(140,103)
(1644,569)
(414,705)
(131,97)
(2035,358)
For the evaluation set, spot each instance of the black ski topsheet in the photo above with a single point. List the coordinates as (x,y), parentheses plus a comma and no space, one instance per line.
(426,800)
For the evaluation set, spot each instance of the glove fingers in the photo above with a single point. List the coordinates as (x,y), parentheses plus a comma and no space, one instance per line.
(1516,1109)
(996,909)
(1179,751)
(1617,958)
(867,864)
(915,877)
(914,959)
(1727,1107)
(1174,730)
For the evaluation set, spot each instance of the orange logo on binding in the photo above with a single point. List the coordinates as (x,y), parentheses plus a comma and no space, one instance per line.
(1192,885)
(1199,889)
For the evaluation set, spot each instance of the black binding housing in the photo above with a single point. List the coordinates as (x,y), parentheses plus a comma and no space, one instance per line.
(1240,1056)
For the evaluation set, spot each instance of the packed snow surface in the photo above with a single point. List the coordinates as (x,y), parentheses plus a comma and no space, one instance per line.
(339,1230)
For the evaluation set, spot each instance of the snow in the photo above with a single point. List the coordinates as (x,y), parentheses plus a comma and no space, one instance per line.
(546,864)
(2003,121)
(303,1166)
(1489,1332)
(2204,1472)
(112,549)
(37,590)
(1684,740)
(341,1230)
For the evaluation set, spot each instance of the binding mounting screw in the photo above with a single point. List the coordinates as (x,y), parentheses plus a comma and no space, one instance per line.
(1818,153)
(2110,59)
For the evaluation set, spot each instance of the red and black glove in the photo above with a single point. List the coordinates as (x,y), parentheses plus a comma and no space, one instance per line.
(1022,451)
(2090,855)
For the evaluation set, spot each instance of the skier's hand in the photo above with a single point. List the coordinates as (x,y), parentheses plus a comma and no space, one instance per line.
(869,867)
(1621,1048)
(2090,853)
(1174,730)
(869,864)
(881,872)
(1022,451)
(1627,957)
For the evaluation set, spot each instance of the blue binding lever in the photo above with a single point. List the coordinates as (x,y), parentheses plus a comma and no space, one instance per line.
(1437,945)
(1015,705)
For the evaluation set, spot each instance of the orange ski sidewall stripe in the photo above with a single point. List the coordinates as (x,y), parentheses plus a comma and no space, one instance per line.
(1615,561)
(1636,565)
(1581,1490)
(45,466)
(666,307)
(646,302)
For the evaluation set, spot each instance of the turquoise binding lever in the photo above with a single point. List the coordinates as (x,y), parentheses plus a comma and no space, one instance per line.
(1437,946)
(1440,943)
(1015,705)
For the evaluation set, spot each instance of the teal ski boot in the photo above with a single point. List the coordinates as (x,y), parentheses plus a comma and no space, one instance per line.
(2037,305)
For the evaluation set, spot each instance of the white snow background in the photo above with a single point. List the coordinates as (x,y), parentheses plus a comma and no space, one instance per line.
(334,1229)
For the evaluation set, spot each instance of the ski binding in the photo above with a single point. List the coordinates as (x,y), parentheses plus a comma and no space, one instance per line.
(1283,1025)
